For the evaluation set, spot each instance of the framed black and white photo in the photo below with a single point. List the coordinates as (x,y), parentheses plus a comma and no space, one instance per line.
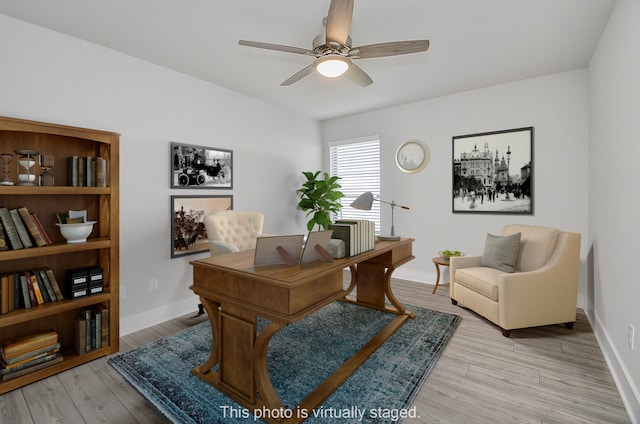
(201,167)
(493,172)
(188,234)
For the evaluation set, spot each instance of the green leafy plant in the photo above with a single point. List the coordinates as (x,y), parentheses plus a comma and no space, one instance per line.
(320,198)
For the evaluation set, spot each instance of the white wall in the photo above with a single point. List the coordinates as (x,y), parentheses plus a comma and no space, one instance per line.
(614,76)
(47,76)
(556,106)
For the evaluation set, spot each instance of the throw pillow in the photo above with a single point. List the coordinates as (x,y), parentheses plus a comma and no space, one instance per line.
(501,252)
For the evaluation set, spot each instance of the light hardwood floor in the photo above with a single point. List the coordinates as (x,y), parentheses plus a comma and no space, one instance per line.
(543,375)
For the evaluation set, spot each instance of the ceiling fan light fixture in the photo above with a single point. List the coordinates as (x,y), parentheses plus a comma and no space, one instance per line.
(332,65)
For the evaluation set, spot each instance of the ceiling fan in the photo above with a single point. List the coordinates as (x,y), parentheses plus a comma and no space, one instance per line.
(334,52)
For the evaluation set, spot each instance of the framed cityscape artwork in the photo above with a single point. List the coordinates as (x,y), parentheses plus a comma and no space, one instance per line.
(493,172)
(188,234)
(201,167)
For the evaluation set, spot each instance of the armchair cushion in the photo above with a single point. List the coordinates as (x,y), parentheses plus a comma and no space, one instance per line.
(481,280)
(501,252)
(537,246)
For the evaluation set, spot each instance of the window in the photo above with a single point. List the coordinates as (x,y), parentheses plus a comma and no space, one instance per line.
(357,163)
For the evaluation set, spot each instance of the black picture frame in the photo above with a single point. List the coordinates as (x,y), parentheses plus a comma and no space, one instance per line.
(188,234)
(493,172)
(201,167)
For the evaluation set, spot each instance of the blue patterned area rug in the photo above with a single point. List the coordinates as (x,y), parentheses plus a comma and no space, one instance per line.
(300,357)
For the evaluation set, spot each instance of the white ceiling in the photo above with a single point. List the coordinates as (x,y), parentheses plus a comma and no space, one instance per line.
(474,43)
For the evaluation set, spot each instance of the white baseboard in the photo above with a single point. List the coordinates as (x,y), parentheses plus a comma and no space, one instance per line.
(628,391)
(156,316)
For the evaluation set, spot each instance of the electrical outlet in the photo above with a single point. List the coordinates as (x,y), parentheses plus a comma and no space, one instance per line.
(632,336)
(123,292)
(153,285)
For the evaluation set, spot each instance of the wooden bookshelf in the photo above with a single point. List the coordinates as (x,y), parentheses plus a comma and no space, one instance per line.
(101,248)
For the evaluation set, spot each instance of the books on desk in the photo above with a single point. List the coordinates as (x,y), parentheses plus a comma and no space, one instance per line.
(358,235)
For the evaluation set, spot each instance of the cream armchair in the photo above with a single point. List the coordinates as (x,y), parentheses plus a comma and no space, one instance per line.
(542,290)
(233,231)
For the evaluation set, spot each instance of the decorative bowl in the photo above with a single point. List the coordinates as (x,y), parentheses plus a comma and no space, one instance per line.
(76,233)
(446,254)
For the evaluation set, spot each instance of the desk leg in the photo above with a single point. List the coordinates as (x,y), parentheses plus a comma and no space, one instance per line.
(212,312)
(437,278)
(261,373)
(374,287)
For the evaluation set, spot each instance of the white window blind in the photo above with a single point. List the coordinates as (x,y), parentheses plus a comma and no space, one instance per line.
(357,163)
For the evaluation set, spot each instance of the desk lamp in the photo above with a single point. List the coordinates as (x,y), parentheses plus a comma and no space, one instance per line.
(364,202)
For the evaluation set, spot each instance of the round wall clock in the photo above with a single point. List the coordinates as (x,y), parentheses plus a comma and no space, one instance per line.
(412,156)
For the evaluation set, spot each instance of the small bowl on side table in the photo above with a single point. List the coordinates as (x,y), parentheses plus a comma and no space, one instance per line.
(76,233)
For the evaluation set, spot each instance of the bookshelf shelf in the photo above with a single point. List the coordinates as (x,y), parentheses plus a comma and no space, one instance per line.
(100,250)
(55,249)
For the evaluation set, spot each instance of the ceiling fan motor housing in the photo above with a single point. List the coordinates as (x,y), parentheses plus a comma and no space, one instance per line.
(321,48)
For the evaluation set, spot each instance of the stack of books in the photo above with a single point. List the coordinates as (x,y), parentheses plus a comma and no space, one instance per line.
(28,288)
(20,229)
(28,354)
(358,235)
(86,171)
(92,329)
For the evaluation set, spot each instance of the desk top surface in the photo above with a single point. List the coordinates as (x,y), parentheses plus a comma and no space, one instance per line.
(241,263)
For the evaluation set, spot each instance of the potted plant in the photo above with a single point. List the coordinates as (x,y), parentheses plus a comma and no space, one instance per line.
(320,198)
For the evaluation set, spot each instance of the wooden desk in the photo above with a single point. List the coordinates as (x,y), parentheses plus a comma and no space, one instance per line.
(234,293)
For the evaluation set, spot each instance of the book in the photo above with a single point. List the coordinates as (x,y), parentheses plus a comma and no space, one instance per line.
(101,172)
(26,298)
(36,288)
(20,227)
(104,312)
(96,329)
(86,316)
(32,293)
(72,171)
(42,363)
(54,283)
(44,233)
(4,245)
(10,229)
(90,172)
(82,171)
(46,293)
(12,302)
(28,343)
(31,226)
(81,336)
(42,274)
(17,291)
(4,294)
(29,356)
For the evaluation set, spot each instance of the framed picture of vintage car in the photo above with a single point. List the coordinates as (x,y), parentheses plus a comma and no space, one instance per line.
(188,234)
(493,172)
(201,167)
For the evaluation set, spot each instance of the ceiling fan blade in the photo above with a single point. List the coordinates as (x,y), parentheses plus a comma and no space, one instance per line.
(392,48)
(298,76)
(357,75)
(277,47)
(339,21)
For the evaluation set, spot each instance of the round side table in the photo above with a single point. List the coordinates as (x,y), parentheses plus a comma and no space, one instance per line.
(437,261)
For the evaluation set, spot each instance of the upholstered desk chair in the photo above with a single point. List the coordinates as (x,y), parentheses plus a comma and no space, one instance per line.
(233,231)
(527,277)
